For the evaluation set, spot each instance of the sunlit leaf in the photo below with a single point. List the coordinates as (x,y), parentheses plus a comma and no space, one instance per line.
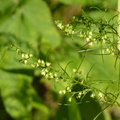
(42,21)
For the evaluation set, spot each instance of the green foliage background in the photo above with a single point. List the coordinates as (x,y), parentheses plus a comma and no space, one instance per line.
(30,24)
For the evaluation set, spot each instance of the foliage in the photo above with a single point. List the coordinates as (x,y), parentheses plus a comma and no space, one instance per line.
(27,28)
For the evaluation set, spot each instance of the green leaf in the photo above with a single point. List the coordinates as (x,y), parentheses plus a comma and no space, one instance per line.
(68,111)
(23,71)
(41,111)
(5,4)
(16,95)
(38,14)
(21,27)
(17,29)
(3,114)
(89,109)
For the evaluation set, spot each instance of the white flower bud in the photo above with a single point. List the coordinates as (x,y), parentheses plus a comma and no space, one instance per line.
(22,55)
(30,55)
(48,64)
(26,56)
(60,92)
(25,62)
(74,70)
(70,99)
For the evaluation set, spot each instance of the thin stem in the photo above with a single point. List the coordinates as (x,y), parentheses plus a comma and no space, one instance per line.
(119,40)
(119,24)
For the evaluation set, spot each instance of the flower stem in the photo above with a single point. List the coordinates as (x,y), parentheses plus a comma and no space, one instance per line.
(118,24)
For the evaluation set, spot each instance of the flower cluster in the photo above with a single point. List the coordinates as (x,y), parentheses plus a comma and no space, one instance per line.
(94,32)
(68,29)
(40,63)
(24,56)
(59,24)
(76,78)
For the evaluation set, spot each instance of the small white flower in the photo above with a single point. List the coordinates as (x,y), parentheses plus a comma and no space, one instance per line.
(70,99)
(105,37)
(68,89)
(91,43)
(30,55)
(87,39)
(92,95)
(42,63)
(60,92)
(26,56)
(82,81)
(48,64)
(33,65)
(47,75)
(94,39)
(59,25)
(80,35)
(51,75)
(89,36)
(103,41)
(80,93)
(74,70)
(64,91)
(112,53)
(17,50)
(43,72)
(25,62)
(100,95)
(79,96)
(90,33)
(55,75)
(108,50)
(46,70)
(39,61)
(22,55)
(37,65)
(68,25)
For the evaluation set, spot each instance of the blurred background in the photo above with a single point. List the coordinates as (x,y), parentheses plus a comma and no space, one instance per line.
(24,94)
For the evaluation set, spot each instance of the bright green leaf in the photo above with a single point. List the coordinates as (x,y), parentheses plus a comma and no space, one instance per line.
(38,13)
(16,94)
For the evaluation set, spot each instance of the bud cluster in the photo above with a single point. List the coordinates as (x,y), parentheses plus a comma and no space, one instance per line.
(68,29)
(24,56)
(93,32)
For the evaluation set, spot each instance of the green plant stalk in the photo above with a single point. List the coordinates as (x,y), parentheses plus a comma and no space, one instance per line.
(118,30)
(118,24)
